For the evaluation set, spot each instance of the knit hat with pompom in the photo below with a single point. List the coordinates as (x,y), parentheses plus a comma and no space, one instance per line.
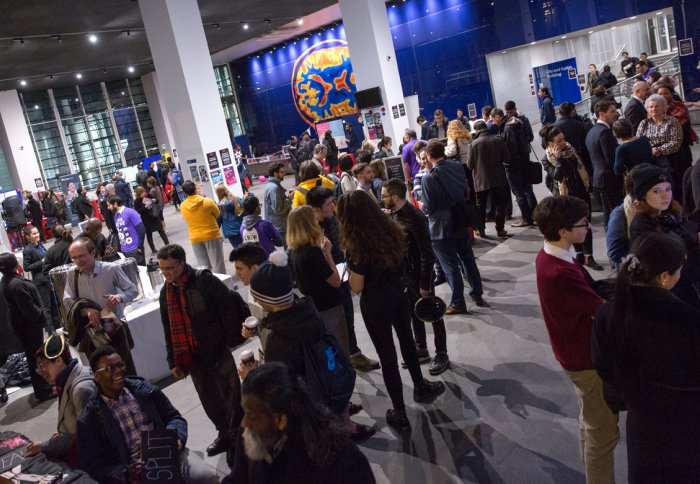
(272,283)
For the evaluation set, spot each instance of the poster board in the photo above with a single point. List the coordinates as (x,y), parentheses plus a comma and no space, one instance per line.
(160,455)
(561,78)
(337,130)
(69,188)
(394,168)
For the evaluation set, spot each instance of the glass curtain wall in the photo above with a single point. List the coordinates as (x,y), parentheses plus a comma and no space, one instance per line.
(92,148)
(228,100)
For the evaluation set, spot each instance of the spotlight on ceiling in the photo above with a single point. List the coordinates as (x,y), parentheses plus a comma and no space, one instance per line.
(245,26)
(19,40)
(92,38)
(57,37)
(131,69)
(22,82)
(78,76)
(300,21)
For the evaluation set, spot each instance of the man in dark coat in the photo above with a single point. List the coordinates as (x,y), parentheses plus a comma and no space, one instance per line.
(628,65)
(607,79)
(574,132)
(81,206)
(201,322)
(36,215)
(111,425)
(123,191)
(635,112)
(438,128)
(601,144)
(26,315)
(547,115)
(488,154)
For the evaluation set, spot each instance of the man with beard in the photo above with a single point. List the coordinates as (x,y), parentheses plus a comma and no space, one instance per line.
(287,437)
(109,429)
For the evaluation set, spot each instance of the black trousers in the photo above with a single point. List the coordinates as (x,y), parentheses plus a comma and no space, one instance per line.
(51,320)
(219,390)
(149,237)
(609,199)
(31,336)
(419,326)
(349,311)
(380,316)
(499,198)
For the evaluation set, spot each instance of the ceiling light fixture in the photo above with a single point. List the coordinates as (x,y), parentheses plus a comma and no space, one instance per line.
(633,17)
(300,21)
(245,25)
(57,37)
(131,69)
(217,26)
(51,78)
(590,31)
(22,82)
(127,32)
(19,40)
(78,76)
(92,38)
(563,36)
(267,21)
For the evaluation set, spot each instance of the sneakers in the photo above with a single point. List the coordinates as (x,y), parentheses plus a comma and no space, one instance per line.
(427,390)
(440,363)
(423,357)
(398,420)
(522,223)
(361,363)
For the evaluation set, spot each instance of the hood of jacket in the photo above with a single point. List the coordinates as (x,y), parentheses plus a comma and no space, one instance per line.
(300,322)
(194,201)
(509,121)
(249,221)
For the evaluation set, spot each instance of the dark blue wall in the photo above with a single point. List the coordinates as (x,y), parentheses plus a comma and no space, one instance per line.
(441,48)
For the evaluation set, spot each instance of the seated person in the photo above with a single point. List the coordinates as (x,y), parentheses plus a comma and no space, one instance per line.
(109,429)
(75,385)
(288,437)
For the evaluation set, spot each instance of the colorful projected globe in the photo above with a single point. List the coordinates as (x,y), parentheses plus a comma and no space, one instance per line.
(323,82)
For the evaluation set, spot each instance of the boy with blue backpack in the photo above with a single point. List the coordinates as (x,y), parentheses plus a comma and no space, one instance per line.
(298,338)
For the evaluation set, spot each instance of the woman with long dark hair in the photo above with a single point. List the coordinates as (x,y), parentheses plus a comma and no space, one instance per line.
(646,342)
(33,263)
(375,247)
(657,211)
(564,166)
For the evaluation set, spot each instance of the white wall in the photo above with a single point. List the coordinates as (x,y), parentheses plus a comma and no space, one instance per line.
(17,143)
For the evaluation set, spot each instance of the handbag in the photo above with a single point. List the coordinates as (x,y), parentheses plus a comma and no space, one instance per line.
(534,170)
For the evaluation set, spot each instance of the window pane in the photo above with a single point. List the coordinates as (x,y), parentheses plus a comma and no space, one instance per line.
(50,153)
(37,106)
(137,91)
(118,94)
(129,135)
(67,102)
(92,98)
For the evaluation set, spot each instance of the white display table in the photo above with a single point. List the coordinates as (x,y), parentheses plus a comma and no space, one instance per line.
(149,351)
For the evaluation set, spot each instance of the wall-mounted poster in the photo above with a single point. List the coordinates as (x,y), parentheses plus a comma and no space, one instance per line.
(561,79)
(195,174)
(225,157)
(230,175)
(402,110)
(203,173)
(192,162)
(217,177)
(395,111)
(39,182)
(69,187)
(213,160)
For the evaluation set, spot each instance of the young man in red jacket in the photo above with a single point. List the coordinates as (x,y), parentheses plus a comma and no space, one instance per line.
(569,304)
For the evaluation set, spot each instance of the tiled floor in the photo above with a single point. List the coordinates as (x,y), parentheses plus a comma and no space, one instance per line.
(509,414)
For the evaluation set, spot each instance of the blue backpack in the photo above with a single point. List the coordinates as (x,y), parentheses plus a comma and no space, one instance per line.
(328,372)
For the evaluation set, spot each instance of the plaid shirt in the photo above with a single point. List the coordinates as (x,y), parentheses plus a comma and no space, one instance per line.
(131,419)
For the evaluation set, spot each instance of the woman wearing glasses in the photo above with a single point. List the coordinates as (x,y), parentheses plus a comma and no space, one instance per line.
(645,342)
(75,384)
(657,211)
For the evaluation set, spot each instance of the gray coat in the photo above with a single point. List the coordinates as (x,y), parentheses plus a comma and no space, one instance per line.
(487,155)
(277,204)
(76,392)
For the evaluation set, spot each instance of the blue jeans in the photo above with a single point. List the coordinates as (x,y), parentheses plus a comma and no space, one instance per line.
(235,240)
(450,252)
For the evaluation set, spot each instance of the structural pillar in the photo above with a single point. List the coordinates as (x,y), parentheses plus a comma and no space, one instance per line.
(188,90)
(17,144)
(159,114)
(373,59)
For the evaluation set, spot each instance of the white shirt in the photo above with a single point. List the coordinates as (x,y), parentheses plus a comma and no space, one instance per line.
(603,122)
(558,252)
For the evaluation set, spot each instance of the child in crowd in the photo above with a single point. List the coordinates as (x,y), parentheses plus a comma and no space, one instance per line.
(256,230)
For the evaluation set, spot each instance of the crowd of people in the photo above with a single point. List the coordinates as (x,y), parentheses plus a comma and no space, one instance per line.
(346,228)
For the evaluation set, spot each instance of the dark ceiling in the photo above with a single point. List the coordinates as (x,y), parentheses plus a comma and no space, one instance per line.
(29,52)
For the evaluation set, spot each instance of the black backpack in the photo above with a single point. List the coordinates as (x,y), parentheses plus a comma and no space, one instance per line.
(328,372)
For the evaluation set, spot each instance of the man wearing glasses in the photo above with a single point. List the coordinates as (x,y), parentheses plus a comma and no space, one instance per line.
(569,305)
(93,289)
(109,429)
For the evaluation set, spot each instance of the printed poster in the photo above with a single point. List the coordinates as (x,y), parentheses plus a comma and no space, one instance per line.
(230,175)
(192,162)
(217,177)
(195,174)
(225,157)
(213,160)
(203,173)
(69,187)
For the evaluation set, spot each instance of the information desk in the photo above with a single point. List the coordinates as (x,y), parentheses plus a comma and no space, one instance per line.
(258,166)
(149,351)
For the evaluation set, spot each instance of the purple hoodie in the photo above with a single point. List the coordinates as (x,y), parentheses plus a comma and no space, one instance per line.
(256,230)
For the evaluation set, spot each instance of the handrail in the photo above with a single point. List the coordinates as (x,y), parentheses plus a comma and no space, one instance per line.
(633,79)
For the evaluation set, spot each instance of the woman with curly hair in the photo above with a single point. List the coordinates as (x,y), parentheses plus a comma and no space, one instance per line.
(375,247)
(645,343)
(657,211)
(458,139)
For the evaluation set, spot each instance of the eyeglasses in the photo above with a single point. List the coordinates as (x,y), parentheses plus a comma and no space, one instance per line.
(112,368)
(386,196)
(587,224)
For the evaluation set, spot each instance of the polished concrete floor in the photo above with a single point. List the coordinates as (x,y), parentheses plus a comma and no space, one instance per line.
(509,414)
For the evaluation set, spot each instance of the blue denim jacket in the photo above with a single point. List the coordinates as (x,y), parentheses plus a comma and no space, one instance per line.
(616,238)
(442,188)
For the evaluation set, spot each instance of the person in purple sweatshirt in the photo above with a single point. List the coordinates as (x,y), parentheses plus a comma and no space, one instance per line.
(256,230)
